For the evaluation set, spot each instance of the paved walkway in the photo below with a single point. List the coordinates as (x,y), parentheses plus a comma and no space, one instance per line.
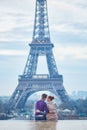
(31,125)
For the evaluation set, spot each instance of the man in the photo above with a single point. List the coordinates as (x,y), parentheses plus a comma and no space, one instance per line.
(41,108)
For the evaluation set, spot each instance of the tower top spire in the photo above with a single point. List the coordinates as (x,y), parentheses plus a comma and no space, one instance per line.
(41,32)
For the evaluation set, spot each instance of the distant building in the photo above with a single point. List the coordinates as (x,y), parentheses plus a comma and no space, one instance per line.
(82,94)
(74,95)
(4,98)
(79,95)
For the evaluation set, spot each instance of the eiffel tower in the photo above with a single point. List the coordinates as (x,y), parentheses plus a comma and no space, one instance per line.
(30,82)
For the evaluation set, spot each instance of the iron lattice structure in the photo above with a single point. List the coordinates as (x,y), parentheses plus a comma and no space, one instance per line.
(30,82)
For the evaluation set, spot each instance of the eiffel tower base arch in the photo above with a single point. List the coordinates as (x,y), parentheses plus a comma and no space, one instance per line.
(26,87)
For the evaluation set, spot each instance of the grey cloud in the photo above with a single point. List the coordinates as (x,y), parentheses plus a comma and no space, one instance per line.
(16,26)
(16,6)
(67,38)
(16,45)
(80,26)
(78,3)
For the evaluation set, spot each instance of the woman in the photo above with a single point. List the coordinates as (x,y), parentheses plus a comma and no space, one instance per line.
(52,115)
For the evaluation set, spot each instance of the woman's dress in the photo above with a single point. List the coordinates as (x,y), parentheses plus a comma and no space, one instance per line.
(52,115)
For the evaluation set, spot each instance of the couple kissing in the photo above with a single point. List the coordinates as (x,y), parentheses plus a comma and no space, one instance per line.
(46,111)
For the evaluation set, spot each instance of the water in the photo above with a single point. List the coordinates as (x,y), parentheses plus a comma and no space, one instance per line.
(31,125)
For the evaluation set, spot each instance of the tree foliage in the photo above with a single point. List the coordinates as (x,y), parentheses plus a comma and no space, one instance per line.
(3,107)
(80,106)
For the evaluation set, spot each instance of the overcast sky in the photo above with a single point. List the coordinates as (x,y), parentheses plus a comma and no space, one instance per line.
(68,30)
